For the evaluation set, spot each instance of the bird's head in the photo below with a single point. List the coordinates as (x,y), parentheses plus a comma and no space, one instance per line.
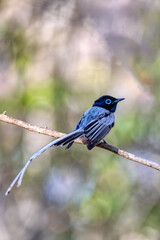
(107,102)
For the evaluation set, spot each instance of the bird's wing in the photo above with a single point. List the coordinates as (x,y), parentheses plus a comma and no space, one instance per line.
(91,116)
(96,130)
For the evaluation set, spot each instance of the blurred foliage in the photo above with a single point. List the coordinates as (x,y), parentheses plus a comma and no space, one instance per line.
(57,57)
(17,45)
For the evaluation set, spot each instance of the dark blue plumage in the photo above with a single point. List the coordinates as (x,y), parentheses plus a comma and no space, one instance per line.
(93,126)
(101,111)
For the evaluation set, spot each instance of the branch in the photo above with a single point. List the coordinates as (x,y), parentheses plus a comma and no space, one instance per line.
(49,132)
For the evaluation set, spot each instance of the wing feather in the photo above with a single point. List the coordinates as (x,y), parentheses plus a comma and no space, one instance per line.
(97,130)
(97,133)
(93,130)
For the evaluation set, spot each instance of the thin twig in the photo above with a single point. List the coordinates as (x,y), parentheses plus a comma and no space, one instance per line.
(49,132)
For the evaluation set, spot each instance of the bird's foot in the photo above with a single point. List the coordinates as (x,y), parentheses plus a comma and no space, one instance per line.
(104,142)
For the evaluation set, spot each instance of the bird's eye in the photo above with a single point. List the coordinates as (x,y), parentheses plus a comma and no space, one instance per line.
(108,101)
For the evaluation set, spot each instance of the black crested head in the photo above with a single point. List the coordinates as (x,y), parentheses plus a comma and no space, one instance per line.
(107,102)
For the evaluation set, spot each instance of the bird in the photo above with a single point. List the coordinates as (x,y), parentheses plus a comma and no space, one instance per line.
(94,126)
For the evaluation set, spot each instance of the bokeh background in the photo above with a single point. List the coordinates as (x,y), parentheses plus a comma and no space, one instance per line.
(56,58)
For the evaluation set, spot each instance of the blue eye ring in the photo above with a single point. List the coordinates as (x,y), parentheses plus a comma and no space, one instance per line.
(108,101)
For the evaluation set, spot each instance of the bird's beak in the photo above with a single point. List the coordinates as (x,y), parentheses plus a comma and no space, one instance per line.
(118,100)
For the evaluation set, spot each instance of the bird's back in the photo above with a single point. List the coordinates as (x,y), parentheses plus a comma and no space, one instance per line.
(95,113)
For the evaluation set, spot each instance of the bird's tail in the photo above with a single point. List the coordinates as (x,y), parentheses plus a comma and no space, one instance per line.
(58,142)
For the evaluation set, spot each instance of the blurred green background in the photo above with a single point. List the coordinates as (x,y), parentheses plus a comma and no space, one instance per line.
(56,58)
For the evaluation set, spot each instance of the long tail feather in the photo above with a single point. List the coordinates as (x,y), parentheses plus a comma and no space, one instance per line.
(58,142)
